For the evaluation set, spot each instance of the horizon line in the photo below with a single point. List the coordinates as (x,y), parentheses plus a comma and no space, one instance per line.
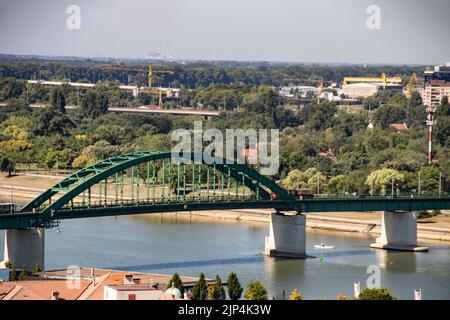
(193,60)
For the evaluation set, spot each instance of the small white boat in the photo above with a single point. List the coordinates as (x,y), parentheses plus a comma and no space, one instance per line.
(323,246)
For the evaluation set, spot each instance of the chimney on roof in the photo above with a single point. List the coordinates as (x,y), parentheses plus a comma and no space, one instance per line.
(92,272)
(128,279)
(55,295)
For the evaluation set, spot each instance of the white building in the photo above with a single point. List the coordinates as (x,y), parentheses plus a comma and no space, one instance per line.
(132,292)
(364,90)
(289,91)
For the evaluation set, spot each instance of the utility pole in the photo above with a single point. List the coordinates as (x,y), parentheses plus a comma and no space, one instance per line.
(419,189)
(440,183)
(430,122)
(392,187)
(318,183)
(12,198)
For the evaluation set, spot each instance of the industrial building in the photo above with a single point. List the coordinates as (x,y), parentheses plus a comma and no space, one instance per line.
(364,90)
(300,90)
(363,87)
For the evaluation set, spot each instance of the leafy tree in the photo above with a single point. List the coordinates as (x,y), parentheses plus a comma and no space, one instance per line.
(57,99)
(15,132)
(380,179)
(261,100)
(443,122)
(11,88)
(113,134)
(297,179)
(49,122)
(339,184)
(216,291)
(94,103)
(176,282)
(322,116)
(234,287)
(7,163)
(415,100)
(376,294)
(386,115)
(200,290)
(429,179)
(295,295)
(256,291)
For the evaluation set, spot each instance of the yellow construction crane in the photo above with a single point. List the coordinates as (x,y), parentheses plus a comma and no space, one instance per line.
(150,71)
(150,74)
(319,81)
(383,79)
(158,90)
(411,84)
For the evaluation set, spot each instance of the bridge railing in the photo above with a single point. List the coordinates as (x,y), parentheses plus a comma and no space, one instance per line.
(155,201)
(382,196)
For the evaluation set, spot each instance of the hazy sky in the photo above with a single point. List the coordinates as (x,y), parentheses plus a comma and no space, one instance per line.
(412,31)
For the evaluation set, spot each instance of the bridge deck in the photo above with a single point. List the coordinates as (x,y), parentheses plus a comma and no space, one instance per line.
(30,219)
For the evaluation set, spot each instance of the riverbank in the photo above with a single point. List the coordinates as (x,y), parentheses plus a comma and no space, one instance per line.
(435,228)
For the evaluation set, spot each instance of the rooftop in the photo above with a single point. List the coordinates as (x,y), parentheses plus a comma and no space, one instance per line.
(90,285)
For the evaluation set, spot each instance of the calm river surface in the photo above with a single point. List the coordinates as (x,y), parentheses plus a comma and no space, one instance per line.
(167,245)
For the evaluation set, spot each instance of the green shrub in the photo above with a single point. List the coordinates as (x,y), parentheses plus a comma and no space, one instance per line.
(256,291)
(376,294)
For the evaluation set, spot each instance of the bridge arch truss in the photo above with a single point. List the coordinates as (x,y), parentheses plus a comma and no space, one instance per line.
(156,179)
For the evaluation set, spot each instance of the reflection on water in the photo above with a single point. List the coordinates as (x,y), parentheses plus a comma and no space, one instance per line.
(190,264)
(189,245)
(397,261)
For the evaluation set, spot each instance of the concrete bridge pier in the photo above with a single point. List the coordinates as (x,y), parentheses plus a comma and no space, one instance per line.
(398,232)
(24,248)
(287,236)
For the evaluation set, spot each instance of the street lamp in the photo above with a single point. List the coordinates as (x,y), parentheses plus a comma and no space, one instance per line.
(392,188)
(419,189)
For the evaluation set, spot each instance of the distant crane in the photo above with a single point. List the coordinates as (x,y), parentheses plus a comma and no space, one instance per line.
(160,91)
(411,84)
(383,79)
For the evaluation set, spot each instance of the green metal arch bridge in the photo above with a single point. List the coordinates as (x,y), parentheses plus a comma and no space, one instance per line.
(154,181)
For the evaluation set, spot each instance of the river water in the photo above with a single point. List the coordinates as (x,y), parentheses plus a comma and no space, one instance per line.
(168,244)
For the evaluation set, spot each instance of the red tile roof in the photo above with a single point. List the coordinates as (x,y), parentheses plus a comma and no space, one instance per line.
(398,126)
(42,289)
(5,288)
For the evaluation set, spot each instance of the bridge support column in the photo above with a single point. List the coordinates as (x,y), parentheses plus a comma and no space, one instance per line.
(24,248)
(287,236)
(398,232)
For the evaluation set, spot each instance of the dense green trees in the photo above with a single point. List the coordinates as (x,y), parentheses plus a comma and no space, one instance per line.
(11,88)
(58,99)
(176,282)
(295,295)
(443,122)
(332,140)
(200,290)
(322,116)
(386,115)
(94,103)
(216,291)
(376,294)
(234,287)
(256,291)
